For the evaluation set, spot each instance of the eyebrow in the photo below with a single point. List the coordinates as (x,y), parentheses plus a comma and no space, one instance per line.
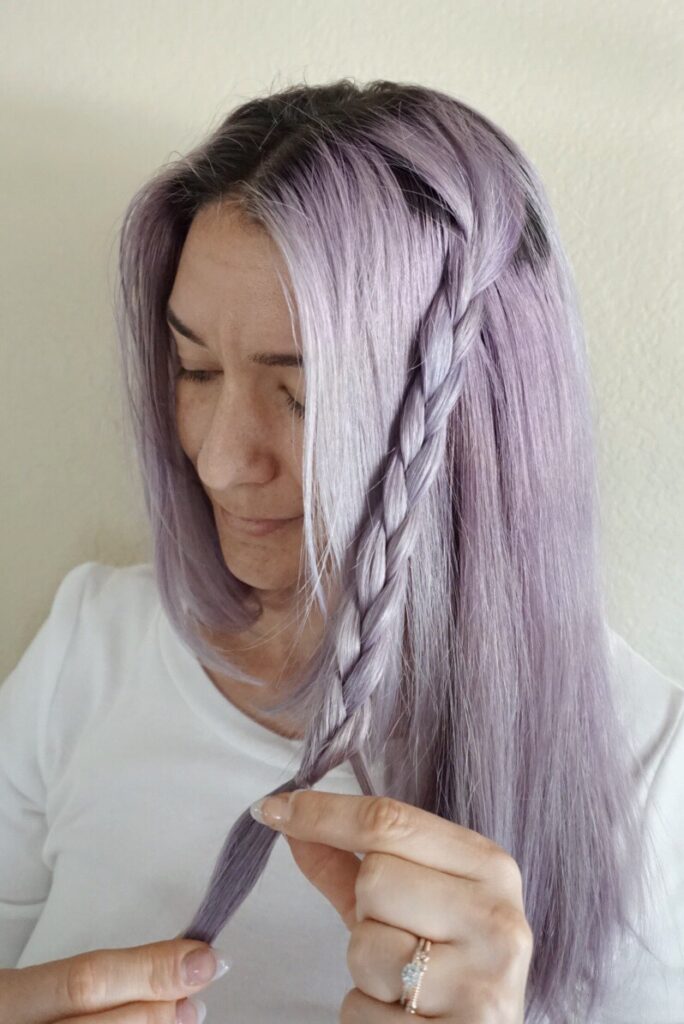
(262,358)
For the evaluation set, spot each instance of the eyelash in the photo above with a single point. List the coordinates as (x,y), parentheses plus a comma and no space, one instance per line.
(202,376)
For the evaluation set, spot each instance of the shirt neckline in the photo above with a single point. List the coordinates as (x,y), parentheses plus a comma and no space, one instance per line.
(220,715)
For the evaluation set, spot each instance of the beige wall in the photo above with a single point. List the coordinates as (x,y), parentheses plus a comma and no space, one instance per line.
(96,95)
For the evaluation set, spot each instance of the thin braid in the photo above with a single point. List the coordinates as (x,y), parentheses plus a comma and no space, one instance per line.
(369,609)
(450,326)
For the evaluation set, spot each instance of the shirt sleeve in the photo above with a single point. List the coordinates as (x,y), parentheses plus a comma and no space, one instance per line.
(25,698)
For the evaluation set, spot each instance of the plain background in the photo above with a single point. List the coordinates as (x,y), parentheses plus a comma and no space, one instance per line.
(97,95)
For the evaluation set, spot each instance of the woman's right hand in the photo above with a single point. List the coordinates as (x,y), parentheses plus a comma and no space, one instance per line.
(139,985)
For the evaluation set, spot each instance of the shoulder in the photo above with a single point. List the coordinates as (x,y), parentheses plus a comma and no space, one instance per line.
(82,653)
(116,611)
(650,704)
(98,589)
(101,624)
(112,609)
(102,583)
(91,599)
(114,598)
(649,982)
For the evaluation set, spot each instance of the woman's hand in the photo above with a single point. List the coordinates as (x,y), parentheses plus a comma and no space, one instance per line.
(421,876)
(106,986)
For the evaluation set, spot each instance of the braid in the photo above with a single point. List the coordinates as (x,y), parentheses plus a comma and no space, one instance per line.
(338,731)
(370,607)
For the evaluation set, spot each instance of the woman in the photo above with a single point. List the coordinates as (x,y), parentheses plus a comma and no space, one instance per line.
(349,310)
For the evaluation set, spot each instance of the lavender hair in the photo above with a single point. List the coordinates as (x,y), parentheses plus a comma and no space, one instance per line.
(450,497)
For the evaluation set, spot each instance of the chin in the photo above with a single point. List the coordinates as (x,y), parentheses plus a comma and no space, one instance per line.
(270,577)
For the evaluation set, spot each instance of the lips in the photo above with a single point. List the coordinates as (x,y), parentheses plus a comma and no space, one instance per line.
(255,527)
(245,518)
(251,519)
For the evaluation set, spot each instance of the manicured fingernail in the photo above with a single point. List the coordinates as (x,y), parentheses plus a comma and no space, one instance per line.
(223,962)
(190,1011)
(272,810)
(202,966)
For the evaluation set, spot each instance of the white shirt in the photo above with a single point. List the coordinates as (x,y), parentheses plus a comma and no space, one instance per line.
(122,768)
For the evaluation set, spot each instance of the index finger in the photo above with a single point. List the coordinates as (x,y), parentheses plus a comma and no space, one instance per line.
(382,824)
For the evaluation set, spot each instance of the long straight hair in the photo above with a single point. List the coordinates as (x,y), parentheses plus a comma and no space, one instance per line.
(450,495)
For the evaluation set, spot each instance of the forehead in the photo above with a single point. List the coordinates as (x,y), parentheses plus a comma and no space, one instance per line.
(228,274)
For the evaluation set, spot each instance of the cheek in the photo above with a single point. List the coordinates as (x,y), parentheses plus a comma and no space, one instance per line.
(295,449)
(191,415)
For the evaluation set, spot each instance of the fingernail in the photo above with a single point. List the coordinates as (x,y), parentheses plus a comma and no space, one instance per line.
(272,810)
(223,962)
(190,1011)
(202,966)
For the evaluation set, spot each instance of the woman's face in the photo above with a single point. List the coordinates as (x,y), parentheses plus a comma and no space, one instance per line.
(237,422)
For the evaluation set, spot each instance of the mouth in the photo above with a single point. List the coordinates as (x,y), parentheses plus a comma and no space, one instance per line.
(255,527)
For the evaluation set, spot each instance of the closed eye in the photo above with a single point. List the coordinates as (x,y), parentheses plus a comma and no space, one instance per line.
(202,376)
(199,376)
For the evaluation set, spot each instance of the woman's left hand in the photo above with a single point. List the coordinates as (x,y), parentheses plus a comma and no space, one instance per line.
(420,876)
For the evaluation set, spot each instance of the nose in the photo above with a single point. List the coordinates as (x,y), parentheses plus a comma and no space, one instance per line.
(238,447)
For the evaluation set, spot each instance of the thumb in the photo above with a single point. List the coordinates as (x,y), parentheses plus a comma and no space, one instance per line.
(97,981)
(333,872)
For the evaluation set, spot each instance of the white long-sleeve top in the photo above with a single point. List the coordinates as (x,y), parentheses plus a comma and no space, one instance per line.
(122,768)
